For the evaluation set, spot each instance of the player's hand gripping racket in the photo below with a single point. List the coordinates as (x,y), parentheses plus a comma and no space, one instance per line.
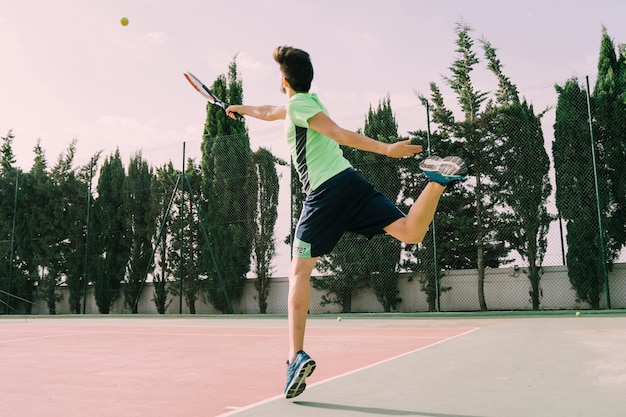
(207,93)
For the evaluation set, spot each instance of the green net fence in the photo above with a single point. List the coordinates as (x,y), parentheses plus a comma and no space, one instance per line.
(538,224)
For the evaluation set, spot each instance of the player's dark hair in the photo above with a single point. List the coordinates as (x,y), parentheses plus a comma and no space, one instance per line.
(295,65)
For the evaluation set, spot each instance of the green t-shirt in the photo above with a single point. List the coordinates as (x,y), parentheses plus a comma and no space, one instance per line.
(317,157)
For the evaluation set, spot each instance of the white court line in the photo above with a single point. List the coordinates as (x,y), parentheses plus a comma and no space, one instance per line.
(268,400)
(43,337)
(223,334)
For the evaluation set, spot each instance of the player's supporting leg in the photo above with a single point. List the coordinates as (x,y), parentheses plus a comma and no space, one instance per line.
(299,365)
(298,302)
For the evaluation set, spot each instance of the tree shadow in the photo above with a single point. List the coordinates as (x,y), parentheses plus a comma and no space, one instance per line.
(375,410)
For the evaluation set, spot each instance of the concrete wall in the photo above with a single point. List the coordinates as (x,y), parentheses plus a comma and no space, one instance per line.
(505,289)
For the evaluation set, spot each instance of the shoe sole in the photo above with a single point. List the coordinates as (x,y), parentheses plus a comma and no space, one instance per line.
(298,383)
(434,165)
(454,169)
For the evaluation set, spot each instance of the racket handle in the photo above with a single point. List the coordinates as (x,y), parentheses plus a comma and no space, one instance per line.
(237,115)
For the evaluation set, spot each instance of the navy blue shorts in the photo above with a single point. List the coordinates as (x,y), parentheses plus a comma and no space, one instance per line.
(346,202)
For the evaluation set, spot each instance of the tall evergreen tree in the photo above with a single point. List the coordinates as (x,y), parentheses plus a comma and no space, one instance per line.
(188,261)
(140,210)
(165,182)
(38,233)
(70,220)
(229,195)
(9,181)
(30,235)
(609,114)
(479,147)
(264,240)
(522,184)
(111,229)
(575,190)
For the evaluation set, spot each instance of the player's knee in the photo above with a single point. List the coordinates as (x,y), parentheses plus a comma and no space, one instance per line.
(301,268)
(413,237)
(413,240)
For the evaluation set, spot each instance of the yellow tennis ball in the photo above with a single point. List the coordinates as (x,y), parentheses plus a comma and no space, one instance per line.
(339,318)
(578,313)
(124,21)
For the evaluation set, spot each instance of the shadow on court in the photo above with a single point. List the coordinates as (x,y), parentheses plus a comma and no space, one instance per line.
(375,411)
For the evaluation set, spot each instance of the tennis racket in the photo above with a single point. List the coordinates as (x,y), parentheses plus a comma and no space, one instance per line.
(207,93)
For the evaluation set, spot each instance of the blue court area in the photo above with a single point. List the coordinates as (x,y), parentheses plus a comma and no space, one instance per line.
(543,366)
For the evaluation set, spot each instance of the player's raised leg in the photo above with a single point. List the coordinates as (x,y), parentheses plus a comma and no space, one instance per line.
(441,172)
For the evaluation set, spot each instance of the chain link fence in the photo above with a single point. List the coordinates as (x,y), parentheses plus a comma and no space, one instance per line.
(535,226)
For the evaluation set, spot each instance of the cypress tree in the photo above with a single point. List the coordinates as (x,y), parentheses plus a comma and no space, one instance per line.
(140,210)
(575,192)
(609,114)
(8,176)
(164,184)
(111,228)
(474,130)
(228,194)
(522,186)
(264,243)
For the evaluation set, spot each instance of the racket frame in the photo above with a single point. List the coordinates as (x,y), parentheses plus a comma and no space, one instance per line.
(206,92)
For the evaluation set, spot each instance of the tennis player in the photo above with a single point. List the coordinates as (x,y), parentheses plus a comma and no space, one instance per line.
(338,199)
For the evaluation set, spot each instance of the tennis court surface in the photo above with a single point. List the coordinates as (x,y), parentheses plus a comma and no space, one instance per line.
(547,365)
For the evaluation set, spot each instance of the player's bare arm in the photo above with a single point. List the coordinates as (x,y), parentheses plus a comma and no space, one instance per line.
(327,127)
(265,112)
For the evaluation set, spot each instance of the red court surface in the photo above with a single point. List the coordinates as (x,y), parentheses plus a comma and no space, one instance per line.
(160,367)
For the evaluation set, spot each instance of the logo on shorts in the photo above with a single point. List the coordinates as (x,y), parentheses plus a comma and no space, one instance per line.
(301,249)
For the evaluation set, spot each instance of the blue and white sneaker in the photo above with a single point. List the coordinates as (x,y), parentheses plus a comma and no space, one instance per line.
(297,372)
(444,171)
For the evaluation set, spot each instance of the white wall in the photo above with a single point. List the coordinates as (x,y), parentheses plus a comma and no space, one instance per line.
(505,289)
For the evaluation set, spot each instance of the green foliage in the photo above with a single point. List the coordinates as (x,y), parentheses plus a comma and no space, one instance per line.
(48,248)
(40,235)
(7,157)
(609,116)
(229,196)
(165,180)
(8,177)
(264,240)
(479,146)
(110,226)
(524,187)
(575,177)
(140,210)
(521,182)
(74,202)
(187,240)
(575,190)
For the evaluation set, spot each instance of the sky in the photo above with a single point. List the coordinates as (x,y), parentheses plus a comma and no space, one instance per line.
(70,70)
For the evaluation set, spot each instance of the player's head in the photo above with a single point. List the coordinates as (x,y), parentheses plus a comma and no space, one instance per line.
(295,67)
